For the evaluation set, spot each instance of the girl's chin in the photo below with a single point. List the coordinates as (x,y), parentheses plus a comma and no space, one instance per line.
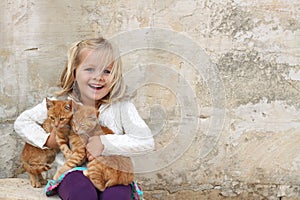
(97,97)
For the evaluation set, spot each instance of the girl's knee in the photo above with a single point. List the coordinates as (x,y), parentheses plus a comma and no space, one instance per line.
(120,192)
(88,193)
(76,186)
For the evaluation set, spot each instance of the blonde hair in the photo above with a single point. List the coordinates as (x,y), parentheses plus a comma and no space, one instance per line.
(109,55)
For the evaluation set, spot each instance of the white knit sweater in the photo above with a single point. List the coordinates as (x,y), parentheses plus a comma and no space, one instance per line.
(131,134)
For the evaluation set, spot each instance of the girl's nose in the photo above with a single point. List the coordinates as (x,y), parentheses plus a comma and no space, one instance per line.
(98,75)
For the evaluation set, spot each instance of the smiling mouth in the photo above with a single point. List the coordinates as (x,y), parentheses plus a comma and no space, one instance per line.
(96,87)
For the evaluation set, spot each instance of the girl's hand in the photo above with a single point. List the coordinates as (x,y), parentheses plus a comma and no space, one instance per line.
(94,147)
(51,141)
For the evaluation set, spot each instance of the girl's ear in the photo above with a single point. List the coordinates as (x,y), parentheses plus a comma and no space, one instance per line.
(49,103)
(68,106)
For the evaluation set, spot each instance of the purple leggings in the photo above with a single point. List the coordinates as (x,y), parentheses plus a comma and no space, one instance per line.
(76,186)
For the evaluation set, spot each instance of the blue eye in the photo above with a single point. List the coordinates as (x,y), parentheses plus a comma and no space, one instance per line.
(106,71)
(90,69)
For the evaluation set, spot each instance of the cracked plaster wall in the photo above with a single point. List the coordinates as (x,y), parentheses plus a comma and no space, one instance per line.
(254,45)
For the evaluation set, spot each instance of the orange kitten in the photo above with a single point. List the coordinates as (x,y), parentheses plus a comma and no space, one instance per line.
(103,171)
(107,171)
(73,149)
(36,160)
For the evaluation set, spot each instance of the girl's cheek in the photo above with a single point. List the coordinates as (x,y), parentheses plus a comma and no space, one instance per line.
(108,80)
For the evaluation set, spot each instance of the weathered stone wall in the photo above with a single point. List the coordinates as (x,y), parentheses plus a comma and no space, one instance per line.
(217,81)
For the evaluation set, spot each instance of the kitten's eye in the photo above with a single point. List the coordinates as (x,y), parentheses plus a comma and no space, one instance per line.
(62,119)
(52,118)
(68,107)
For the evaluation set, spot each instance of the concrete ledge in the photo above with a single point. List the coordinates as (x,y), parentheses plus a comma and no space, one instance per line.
(20,189)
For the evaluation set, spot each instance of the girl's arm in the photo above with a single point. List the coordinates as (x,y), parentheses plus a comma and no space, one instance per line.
(137,137)
(28,126)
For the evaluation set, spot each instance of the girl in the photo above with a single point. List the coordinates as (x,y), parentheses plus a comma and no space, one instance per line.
(92,76)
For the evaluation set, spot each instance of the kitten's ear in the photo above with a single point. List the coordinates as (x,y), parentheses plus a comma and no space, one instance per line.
(49,103)
(95,115)
(68,106)
(75,106)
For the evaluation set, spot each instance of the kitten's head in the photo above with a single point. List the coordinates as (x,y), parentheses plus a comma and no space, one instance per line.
(59,112)
(85,118)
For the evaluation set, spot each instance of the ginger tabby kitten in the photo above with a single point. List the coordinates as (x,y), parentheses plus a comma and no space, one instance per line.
(73,149)
(36,160)
(103,171)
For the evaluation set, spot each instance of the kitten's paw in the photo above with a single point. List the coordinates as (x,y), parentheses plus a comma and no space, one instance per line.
(85,172)
(35,183)
(101,188)
(56,176)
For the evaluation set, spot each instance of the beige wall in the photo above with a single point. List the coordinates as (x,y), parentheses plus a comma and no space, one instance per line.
(217,81)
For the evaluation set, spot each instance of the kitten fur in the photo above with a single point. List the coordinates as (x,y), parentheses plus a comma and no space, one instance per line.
(73,149)
(36,160)
(103,171)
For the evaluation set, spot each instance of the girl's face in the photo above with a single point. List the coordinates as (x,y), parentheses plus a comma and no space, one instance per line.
(93,81)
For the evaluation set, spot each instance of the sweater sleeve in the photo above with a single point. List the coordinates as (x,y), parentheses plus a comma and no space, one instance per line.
(136,138)
(28,125)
